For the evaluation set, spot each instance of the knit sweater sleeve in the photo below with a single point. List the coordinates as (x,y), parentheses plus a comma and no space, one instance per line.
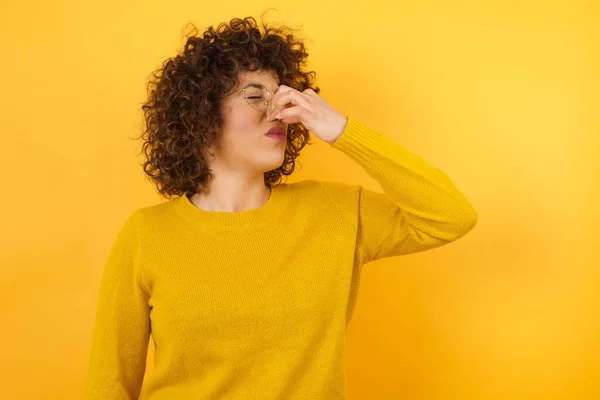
(122,325)
(420,208)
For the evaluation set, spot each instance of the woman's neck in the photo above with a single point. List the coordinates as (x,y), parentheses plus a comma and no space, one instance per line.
(232,195)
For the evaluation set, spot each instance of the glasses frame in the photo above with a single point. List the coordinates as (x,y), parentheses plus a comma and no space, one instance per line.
(267,101)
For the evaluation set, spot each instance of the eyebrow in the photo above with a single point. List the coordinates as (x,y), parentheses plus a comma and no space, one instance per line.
(258,85)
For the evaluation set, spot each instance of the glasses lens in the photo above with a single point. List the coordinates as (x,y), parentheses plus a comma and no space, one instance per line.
(257,96)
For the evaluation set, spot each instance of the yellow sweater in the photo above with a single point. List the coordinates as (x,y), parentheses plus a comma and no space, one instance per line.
(255,304)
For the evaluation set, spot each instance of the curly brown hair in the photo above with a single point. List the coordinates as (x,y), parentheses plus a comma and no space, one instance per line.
(181,114)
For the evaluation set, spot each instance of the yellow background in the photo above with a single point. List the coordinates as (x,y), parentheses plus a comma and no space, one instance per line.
(503,96)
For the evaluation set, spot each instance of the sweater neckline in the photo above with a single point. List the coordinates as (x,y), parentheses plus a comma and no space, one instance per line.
(246,219)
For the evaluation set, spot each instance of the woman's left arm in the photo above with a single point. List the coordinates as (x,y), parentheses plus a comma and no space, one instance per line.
(420,209)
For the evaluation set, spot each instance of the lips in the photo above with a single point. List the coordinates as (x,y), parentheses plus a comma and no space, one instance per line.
(276,131)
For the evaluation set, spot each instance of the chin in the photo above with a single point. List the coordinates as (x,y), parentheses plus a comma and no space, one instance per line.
(271,163)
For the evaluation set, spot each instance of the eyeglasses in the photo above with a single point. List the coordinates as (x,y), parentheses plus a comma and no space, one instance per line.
(257,96)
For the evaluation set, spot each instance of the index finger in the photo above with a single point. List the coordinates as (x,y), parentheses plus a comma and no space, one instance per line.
(286,95)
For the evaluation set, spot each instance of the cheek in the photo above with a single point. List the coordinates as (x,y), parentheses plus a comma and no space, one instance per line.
(240,127)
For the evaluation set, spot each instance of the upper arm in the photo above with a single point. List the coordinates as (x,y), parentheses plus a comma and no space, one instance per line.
(122,324)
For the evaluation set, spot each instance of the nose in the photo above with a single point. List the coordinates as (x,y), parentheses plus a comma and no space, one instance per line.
(271,107)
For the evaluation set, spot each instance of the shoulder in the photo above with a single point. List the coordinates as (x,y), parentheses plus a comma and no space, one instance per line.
(332,189)
(328,187)
(154,214)
(341,196)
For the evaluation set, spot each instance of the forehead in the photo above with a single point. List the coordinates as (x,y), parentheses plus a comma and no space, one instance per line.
(267,78)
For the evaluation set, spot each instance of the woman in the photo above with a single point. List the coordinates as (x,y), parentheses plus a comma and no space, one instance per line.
(247,284)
